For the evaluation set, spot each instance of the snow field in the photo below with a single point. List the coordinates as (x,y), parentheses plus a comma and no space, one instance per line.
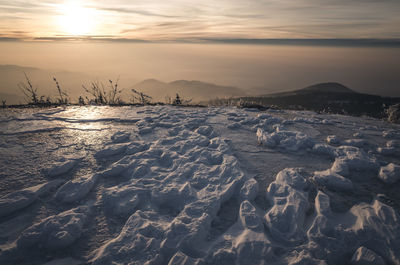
(184,197)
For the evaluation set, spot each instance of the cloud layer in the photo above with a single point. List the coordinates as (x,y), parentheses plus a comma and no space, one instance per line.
(209,19)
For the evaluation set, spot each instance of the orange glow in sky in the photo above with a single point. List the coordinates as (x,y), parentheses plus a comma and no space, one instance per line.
(75,19)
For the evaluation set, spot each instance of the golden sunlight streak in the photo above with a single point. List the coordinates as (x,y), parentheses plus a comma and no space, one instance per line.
(76,19)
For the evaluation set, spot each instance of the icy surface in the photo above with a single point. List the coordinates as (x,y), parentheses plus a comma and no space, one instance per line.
(170,185)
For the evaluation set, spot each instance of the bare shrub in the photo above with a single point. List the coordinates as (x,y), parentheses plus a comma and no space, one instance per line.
(140,97)
(62,95)
(114,94)
(102,95)
(29,91)
(98,92)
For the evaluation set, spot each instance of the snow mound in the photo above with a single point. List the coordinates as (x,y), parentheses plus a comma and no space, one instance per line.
(372,225)
(324,149)
(289,201)
(333,140)
(76,189)
(352,158)
(307,120)
(289,140)
(249,190)
(55,232)
(62,167)
(171,207)
(249,218)
(20,199)
(111,150)
(120,137)
(120,201)
(365,256)
(390,173)
(167,188)
(332,180)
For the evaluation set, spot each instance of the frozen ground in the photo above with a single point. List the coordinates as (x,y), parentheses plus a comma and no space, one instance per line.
(167,185)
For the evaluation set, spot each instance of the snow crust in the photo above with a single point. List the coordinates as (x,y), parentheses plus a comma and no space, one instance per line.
(20,199)
(168,185)
(56,231)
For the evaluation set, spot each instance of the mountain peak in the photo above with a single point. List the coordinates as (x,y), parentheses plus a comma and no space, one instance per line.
(332,87)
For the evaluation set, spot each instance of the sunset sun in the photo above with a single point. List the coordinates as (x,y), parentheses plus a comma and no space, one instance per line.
(76,19)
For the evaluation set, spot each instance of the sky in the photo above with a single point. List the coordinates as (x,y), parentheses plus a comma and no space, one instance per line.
(183,20)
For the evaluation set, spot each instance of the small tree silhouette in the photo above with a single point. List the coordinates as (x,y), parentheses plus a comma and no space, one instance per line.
(81,101)
(177,100)
(4,103)
(180,101)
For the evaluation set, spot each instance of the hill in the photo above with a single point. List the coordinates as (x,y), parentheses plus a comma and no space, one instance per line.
(196,90)
(325,97)
(329,87)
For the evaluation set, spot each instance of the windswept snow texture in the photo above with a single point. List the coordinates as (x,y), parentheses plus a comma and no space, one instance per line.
(170,185)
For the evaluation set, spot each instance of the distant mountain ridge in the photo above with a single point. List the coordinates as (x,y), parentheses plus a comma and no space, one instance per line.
(328,87)
(331,87)
(193,89)
(328,97)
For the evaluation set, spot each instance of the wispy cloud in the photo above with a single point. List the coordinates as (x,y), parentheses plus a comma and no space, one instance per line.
(227,19)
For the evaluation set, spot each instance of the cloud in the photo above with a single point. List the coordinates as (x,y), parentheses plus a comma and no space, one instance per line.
(236,19)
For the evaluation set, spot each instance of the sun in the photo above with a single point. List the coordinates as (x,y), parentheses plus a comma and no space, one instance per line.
(76,19)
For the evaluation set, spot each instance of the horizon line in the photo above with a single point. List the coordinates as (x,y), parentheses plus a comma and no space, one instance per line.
(346,42)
